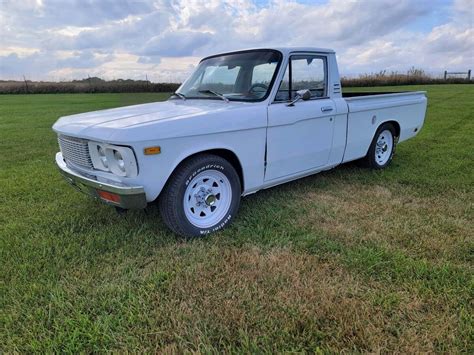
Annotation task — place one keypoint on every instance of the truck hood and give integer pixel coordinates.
(104, 123)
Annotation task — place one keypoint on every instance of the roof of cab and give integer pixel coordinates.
(283, 50)
(287, 50)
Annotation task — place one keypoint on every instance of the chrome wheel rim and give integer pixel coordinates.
(384, 146)
(207, 198)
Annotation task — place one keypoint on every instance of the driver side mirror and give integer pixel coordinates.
(304, 95)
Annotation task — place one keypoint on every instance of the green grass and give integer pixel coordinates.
(348, 260)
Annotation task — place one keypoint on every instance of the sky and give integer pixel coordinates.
(164, 40)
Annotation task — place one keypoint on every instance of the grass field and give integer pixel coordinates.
(348, 260)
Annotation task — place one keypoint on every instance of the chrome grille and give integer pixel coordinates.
(75, 150)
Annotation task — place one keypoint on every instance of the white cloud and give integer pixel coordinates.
(176, 43)
(128, 39)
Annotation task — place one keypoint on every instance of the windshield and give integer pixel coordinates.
(243, 76)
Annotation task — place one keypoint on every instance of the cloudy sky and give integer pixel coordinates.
(164, 39)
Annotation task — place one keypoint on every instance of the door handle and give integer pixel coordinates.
(326, 109)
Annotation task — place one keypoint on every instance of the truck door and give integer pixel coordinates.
(299, 137)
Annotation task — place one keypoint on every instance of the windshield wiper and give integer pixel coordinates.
(215, 94)
(181, 96)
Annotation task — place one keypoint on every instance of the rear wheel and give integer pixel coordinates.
(381, 150)
(202, 196)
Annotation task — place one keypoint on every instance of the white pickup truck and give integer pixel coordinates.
(242, 122)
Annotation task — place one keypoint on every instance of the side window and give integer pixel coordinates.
(307, 72)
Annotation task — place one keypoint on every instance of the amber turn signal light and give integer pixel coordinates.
(152, 150)
(108, 196)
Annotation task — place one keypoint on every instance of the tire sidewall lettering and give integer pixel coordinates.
(201, 169)
(221, 225)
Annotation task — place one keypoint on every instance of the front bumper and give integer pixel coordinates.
(129, 197)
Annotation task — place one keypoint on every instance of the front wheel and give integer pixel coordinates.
(202, 196)
(381, 150)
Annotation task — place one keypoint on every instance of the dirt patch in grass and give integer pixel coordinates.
(439, 228)
(281, 300)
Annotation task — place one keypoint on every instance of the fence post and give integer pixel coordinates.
(445, 74)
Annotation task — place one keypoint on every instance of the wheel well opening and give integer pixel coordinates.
(396, 125)
(230, 157)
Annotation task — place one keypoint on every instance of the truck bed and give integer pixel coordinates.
(360, 101)
(366, 110)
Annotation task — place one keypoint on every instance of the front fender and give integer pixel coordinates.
(247, 145)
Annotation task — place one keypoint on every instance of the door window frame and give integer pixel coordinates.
(288, 65)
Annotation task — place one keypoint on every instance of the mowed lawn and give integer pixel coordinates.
(348, 260)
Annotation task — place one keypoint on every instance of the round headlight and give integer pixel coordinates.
(120, 162)
(102, 156)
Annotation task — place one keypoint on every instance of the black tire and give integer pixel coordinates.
(370, 160)
(171, 200)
